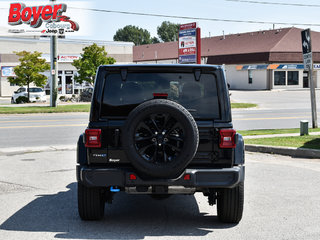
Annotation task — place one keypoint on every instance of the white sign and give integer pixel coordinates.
(307, 61)
(316, 66)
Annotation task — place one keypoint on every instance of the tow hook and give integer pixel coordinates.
(114, 189)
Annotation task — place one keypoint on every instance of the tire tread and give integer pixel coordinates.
(230, 204)
(90, 203)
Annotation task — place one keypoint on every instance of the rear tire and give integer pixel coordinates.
(90, 203)
(230, 204)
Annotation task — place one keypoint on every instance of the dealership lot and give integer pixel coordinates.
(38, 199)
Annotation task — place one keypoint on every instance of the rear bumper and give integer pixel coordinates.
(199, 178)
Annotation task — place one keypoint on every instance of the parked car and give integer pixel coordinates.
(37, 94)
(160, 130)
(86, 95)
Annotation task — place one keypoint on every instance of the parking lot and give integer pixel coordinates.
(38, 201)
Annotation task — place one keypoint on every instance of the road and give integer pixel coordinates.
(276, 109)
(27, 130)
(38, 201)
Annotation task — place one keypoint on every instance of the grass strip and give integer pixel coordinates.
(312, 142)
(40, 109)
(273, 131)
(243, 105)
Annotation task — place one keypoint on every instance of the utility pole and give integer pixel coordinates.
(54, 69)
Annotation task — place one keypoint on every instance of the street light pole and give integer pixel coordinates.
(54, 69)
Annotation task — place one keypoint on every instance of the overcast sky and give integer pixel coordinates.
(102, 26)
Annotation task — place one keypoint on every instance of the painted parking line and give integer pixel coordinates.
(46, 126)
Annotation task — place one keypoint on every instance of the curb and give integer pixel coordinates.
(24, 150)
(288, 151)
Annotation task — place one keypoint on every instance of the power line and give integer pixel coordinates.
(194, 18)
(276, 3)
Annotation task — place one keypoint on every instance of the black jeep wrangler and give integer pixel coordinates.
(160, 130)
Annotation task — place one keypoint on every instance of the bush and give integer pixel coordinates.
(62, 98)
(22, 99)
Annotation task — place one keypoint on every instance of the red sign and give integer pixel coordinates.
(188, 26)
(34, 16)
(187, 51)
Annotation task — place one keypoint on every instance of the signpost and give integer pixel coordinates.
(189, 43)
(54, 70)
(308, 66)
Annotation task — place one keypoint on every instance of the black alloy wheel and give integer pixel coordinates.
(159, 138)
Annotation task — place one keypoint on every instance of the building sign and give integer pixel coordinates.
(189, 43)
(306, 49)
(67, 58)
(7, 72)
(47, 19)
(274, 67)
(62, 58)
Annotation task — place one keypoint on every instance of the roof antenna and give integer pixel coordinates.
(224, 37)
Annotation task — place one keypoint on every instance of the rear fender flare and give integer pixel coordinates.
(81, 151)
(239, 156)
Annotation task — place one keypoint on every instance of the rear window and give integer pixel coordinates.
(199, 97)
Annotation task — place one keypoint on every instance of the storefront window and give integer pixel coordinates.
(293, 78)
(279, 78)
(69, 85)
(59, 85)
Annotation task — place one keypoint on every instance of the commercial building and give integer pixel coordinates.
(270, 59)
(68, 51)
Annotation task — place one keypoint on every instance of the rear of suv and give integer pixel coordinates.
(160, 130)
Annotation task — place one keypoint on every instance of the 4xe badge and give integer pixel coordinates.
(56, 22)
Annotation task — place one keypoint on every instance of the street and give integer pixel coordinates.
(276, 109)
(38, 201)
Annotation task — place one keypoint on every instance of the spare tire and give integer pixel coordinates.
(160, 138)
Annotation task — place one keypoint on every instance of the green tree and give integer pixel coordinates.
(168, 31)
(155, 40)
(92, 57)
(30, 69)
(133, 34)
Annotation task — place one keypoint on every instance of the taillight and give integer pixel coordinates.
(227, 138)
(93, 138)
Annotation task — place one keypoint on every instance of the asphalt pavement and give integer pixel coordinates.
(38, 201)
(28, 130)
